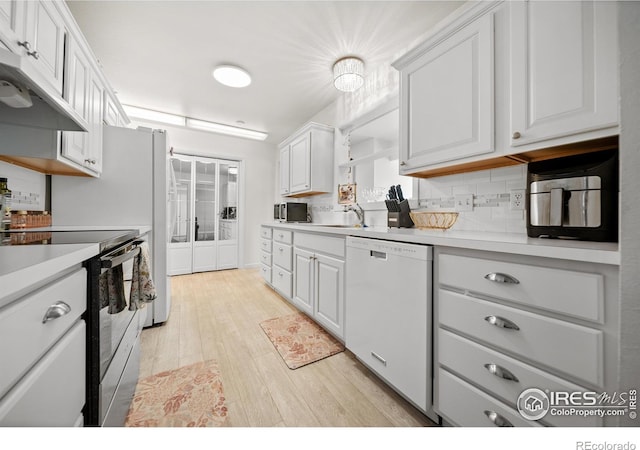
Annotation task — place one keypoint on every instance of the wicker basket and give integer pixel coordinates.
(428, 220)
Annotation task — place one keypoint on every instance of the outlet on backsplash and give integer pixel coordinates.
(516, 200)
(464, 202)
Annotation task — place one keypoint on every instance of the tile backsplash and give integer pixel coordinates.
(28, 188)
(491, 191)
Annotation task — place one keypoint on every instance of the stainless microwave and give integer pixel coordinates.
(290, 212)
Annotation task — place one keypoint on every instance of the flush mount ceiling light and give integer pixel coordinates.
(348, 74)
(189, 122)
(232, 76)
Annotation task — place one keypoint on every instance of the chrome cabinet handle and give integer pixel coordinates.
(379, 358)
(497, 419)
(58, 309)
(281, 249)
(501, 278)
(501, 322)
(25, 44)
(516, 135)
(403, 163)
(90, 161)
(500, 372)
(34, 54)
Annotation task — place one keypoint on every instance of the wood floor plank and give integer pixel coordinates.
(216, 315)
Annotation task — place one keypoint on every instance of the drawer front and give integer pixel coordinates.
(53, 392)
(282, 254)
(282, 281)
(329, 245)
(509, 377)
(537, 339)
(24, 338)
(467, 406)
(265, 258)
(576, 294)
(266, 273)
(265, 245)
(283, 236)
(265, 232)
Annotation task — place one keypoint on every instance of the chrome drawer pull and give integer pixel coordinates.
(58, 309)
(501, 278)
(497, 419)
(501, 322)
(379, 358)
(500, 372)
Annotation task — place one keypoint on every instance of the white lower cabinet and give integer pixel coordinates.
(318, 286)
(506, 323)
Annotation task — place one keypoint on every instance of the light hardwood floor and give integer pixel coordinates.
(216, 315)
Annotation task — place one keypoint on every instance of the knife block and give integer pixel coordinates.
(401, 218)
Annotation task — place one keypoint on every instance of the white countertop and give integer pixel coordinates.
(142, 229)
(23, 266)
(515, 243)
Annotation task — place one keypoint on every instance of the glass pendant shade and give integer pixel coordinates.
(348, 74)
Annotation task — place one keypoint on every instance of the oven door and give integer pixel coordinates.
(115, 279)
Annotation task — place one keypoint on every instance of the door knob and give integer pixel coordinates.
(516, 135)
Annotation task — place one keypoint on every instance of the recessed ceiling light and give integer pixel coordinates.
(232, 76)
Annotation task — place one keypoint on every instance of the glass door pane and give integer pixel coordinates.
(228, 229)
(180, 201)
(205, 201)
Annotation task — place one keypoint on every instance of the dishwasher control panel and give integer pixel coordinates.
(380, 247)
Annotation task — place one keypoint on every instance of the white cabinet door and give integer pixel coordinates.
(300, 170)
(45, 32)
(12, 16)
(75, 145)
(564, 69)
(447, 98)
(329, 293)
(111, 114)
(284, 170)
(96, 96)
(303, 276)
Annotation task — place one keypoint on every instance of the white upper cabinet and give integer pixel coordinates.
(284, 170)
(306, 161)
(447, 99)
(300, 170)
(44, 40)
(12, 16)
(35, 29)
(564, 64)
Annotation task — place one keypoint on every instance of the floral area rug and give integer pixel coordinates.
(190, 396)
(299, 340)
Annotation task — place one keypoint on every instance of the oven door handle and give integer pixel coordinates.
(109, 262)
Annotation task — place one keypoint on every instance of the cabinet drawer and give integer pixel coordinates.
(329, 245)
(24, 338)
(265, 258)
(568, 292)
(470, 359)
(281, 280)
(53, 392)
(283, 236)
(266, 273)
(467, 406)
(282, 256)
(265, 245)
(265, 232)
(537, 338)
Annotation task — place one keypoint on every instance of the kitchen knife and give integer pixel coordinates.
(392, 193)
(399, 192)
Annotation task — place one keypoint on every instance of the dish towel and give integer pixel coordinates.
(111, 294)
(142, 288)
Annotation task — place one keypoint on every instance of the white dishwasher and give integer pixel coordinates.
(388, 314)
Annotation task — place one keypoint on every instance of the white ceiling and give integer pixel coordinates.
(160, 54)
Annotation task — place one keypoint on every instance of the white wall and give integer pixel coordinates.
(259, 161)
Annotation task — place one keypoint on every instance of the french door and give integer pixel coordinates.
(204, 203)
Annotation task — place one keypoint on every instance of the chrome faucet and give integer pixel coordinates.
(358, 210)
